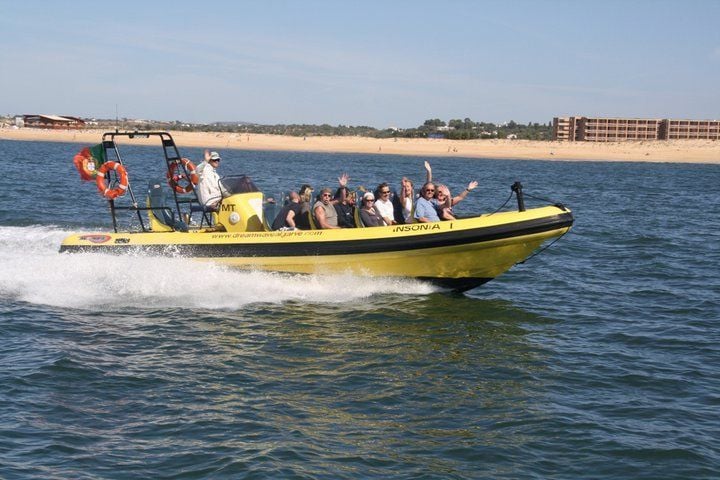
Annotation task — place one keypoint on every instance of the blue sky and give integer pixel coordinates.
(378, 63)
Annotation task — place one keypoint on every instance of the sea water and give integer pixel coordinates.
(597, 358)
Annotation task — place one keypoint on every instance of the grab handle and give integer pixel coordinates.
(517, 188)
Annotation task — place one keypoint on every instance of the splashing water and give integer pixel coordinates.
(35, 272)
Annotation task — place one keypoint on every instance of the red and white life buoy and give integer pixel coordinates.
(175, 177)
(118, 191)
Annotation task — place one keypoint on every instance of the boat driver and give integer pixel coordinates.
(209, 189)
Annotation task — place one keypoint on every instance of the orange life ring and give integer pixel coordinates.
(174, 178)
(118, 191)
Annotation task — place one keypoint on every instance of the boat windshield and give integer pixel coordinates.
(238, 184)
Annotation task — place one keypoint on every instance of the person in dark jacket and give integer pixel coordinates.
(345, 208)
(289, 215)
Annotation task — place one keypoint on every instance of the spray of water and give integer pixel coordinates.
(34, 272)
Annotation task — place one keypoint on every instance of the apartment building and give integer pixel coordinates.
(588, 129)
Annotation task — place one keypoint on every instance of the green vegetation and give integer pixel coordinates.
(455, 129)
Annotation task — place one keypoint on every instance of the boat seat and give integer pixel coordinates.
(162, 218)
(211, 219)
(358, 205)
(270, 211)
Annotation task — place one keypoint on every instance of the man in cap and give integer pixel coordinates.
(208, 188)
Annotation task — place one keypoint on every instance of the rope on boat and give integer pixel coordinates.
(557, 204)
(543, 249)
(547, 200)
(503, 205)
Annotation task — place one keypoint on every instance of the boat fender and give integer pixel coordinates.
(175, 177)
(111, 193)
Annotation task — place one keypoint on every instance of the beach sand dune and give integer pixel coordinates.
(679, 151)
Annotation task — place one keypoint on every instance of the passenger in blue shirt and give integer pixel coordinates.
(425, 207)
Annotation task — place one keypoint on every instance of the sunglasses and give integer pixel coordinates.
(325, 194)
(215, 160)
(386, 192)
(430, 190)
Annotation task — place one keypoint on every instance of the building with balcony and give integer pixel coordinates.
(52, 121)
(589, 129)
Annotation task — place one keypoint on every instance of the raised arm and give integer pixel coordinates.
(471, 186)
(404, 190)
(342, 180)
(428, 172)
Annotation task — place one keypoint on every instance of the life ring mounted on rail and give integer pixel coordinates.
(111, 193)
(175, 177)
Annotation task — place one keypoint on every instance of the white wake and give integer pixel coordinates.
(33, 271)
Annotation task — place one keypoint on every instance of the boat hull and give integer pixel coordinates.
(459, 255)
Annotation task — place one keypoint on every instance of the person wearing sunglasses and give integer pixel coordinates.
(209, 190)
(426, 205)
(445, 200)
(384, 204)
(324, 209)
(368, 214)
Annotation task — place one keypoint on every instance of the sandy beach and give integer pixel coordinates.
(679, 151)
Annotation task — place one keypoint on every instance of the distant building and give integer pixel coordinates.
(692, 129)
(587, 129)
(52, 121)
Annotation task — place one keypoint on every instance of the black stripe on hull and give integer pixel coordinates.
(344, 247)
(456, 284)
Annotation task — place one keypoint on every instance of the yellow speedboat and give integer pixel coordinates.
(459, 254)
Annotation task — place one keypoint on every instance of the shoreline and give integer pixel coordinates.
(658, 151)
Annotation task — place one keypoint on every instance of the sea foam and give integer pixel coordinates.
(33, 271)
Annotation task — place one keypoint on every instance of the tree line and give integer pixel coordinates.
(454, 129)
